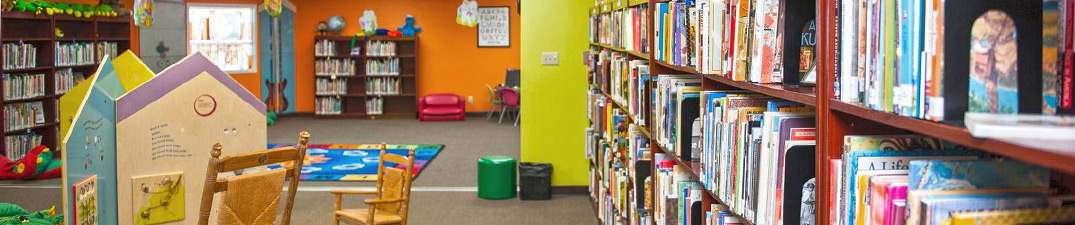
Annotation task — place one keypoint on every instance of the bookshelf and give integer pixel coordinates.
(379, 80)
(834, 118)
(95, 36)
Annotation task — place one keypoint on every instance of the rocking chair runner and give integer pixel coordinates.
(294, 155)
(391, 198)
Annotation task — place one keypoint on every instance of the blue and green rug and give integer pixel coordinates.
(357, 162)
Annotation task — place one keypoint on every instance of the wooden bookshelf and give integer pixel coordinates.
(40, 30)
(402, 105)
(835, 119)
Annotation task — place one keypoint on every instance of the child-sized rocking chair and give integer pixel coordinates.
(253, 199)
(391, 196)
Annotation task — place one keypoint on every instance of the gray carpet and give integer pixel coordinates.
(453, 170)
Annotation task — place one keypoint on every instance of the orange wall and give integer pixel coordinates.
(249, 80)
(449, 60)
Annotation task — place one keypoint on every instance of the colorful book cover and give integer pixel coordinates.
(939, 207)
(1049, 51)
(894, 142)
(976, 174)
(879, 192)
(1063, 215)
(993, 84)
(914, 198)
(861, 204)
(895, 204)
(890, 38)
(871, 160)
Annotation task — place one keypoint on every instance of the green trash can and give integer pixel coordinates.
(496, 177)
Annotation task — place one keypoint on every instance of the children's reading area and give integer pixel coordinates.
(611, 112)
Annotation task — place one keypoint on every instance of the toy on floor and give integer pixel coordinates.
(409, 29)
(11, 214)
(37, 164)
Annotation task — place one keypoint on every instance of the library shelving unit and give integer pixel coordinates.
(366, 83)
(108, 33)
(834, 118)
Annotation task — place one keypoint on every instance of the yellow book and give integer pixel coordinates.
(1015, 216)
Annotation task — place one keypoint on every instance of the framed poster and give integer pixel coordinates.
(494, 26)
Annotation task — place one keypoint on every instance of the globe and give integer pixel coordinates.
(335, 23)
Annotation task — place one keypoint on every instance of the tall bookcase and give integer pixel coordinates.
(834, 118)
(40, 31)
(378, 79)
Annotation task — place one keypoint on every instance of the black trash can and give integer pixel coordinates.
(535, 181)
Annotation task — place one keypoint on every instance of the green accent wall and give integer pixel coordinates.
(554, 97)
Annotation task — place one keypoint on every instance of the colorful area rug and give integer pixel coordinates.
(357, 162)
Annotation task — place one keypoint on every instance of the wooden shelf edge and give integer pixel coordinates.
(681, 69)
(961, 136)
(17, 131)
(805, 95)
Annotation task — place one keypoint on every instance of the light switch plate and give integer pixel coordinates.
(550, 58)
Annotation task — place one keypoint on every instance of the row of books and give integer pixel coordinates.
(107, 49)
(677, 198)
(383, 86)
(375, 106)
(66, 79)
(17, 146)
(625, 28)
(327, 86)
(763, 41)
(756, 153)
(912, 179)
(23, 86)
(618, 152)
(328, 106)
(75, 53)
(625, 81)
(23, 115)
(325, 48)
(902, 57)
(335, 67)
(19, 56)
(381, 48)
(382, 66)
(675, 103)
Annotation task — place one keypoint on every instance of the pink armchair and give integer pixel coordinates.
(441, 107)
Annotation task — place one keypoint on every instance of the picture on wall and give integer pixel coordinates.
(494, 26)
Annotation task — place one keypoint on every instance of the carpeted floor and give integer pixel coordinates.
(444, 195)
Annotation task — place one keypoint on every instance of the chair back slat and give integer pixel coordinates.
(292, 155)
(258, 158)
(393, 158)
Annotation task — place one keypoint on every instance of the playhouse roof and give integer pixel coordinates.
(175, 76)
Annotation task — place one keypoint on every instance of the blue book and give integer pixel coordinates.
(776, 105)
(938, 208)
(975, 174)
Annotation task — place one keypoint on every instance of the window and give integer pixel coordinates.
(224, 33)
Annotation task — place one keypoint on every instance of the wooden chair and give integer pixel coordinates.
(391, 197)
(294, 155)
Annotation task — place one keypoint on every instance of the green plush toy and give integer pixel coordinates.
(40, 6)
(44, 159)
(11, 214)
(23, 6)
(106, 10)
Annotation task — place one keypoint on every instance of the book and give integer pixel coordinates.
(976, 174)
(938, 208)
(1016, 216)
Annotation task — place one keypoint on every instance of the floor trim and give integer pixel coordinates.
(571, 190)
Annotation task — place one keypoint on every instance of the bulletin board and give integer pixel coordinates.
(494, 26)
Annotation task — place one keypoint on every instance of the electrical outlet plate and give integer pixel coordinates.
(550, 58)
